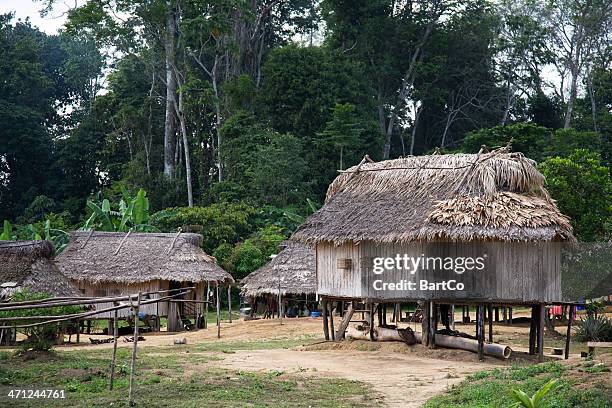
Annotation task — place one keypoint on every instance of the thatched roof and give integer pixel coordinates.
(294, 265)
(495, 195)
(98, 257)
(29, 265)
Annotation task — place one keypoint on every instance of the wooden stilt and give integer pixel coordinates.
(425, 325)
(207, 299)
(480, 331)
(379, 312)
(533, 330)
(346, 319)
(114, 358)
(371, 317)
(325, 324)
(433, 324)
(505, 314)
(541, 311)
(496, 314)
(490, 310)
(572, 313)
(331, 320)
(136, 310)
(510, 315)
(452, 317)
(218, 301)
(229, 301)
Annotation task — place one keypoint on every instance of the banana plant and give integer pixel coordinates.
(535, 401)
(133, 214)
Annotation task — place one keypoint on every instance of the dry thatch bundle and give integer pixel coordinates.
(294, 266)
(496, 195)
(98, 257)
(29, 265)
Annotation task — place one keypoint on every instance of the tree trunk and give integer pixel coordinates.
(181, 116)
(575, 72)
(170, 122)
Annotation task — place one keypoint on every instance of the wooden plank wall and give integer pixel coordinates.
(514, 272)
(334, 281)
(117, 289)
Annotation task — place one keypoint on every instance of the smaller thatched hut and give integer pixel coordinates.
(29, 265)
(113, 264)
(291, 272)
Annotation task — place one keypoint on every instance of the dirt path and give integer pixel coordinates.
(405, 380)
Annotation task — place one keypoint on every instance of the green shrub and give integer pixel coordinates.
(594, 328)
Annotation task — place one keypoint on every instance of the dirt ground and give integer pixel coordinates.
(426, 372)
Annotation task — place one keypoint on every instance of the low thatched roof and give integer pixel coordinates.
(29, 265)
(98, 257)
(495, 195)
(294, 265)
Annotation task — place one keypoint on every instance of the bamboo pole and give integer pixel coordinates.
(218, 312)
(115, 337)
(57, 319)
(134, 350)
(47, 303)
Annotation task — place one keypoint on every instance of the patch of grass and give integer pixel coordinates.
(169, 377)
(492, 389)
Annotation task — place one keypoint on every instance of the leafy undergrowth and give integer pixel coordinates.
(492, 389)
(168, 377)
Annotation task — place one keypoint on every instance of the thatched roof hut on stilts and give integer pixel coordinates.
(115, 263)
(490, 205)
(288, 277)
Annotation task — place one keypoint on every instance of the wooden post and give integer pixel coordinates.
(229, 301)
(452, 317)
(133, 365)
(533, 330)
(490, 309)
(541, 311)
(480, 331)
(207, 298)
(78, 333)
(325, 324)
(115, 337)
(379, 313)
(371, 317)
(346, 319)
(331, 320)
(496, 314)
(425, 325)
(572, 313)
(433, 325)
(510, 315)
(218, 311)
(505, 313)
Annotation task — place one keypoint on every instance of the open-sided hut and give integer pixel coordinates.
(491, 204)
(112, 264)
(291, 272)
(29, 265)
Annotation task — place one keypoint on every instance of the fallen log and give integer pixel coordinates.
(361, 332)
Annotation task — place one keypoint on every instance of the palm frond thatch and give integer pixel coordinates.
(294, 267)
(29, 265)
(98, 257)
(496, 195)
